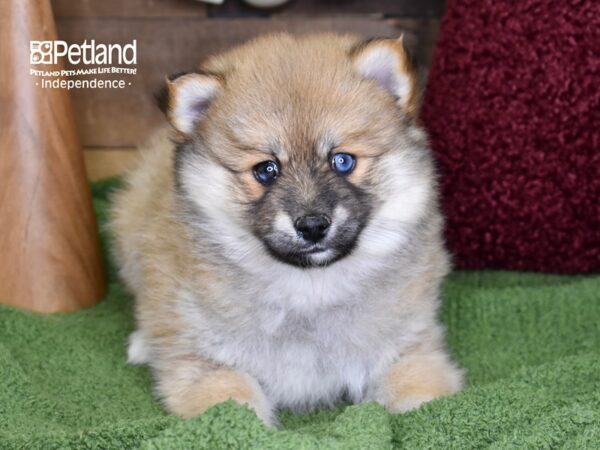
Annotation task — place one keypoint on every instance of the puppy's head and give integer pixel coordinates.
(301, 148)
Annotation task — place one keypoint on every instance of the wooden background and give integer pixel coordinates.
(175, 35)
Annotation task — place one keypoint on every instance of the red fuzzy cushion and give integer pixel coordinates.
(513, 110)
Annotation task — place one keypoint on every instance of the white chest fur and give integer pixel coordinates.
(310, 339)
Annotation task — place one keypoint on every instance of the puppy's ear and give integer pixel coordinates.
(387, 62)
(186, 98)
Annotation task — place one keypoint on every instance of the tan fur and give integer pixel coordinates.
(215, 387)
(190, 385)
(190, 396)
(419, 378)
(321, 82)
(250, 189)
(171, 273)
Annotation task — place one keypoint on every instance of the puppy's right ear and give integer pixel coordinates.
(187, 97)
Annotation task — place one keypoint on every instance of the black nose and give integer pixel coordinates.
(313, 227)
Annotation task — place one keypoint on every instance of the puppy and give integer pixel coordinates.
(283, 237)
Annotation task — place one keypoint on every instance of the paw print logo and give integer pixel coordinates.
(40, 52)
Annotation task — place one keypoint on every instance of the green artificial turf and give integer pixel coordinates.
(530, 343)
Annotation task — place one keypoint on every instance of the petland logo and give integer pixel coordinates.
(49, 52)
(91, 65)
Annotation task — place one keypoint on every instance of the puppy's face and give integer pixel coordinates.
(301, 145)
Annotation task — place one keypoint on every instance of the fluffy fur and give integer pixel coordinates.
(221, 310)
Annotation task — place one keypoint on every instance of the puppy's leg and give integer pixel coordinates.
(418, 378)
(189, 387)
(138, 350)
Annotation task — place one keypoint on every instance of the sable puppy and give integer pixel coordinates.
(283, 239)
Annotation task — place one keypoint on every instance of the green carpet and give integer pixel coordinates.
(530, 343)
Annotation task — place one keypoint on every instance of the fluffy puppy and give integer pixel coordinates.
(283, 238)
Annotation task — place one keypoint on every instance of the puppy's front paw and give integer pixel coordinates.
(415, 380)
(188, 398)
(138, 350)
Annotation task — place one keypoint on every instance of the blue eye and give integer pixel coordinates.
(266, 172)
(343, 163)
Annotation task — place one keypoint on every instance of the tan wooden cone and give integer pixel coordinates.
(49, 246)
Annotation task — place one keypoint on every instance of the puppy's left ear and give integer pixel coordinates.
(387, 62)
(188, 97)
